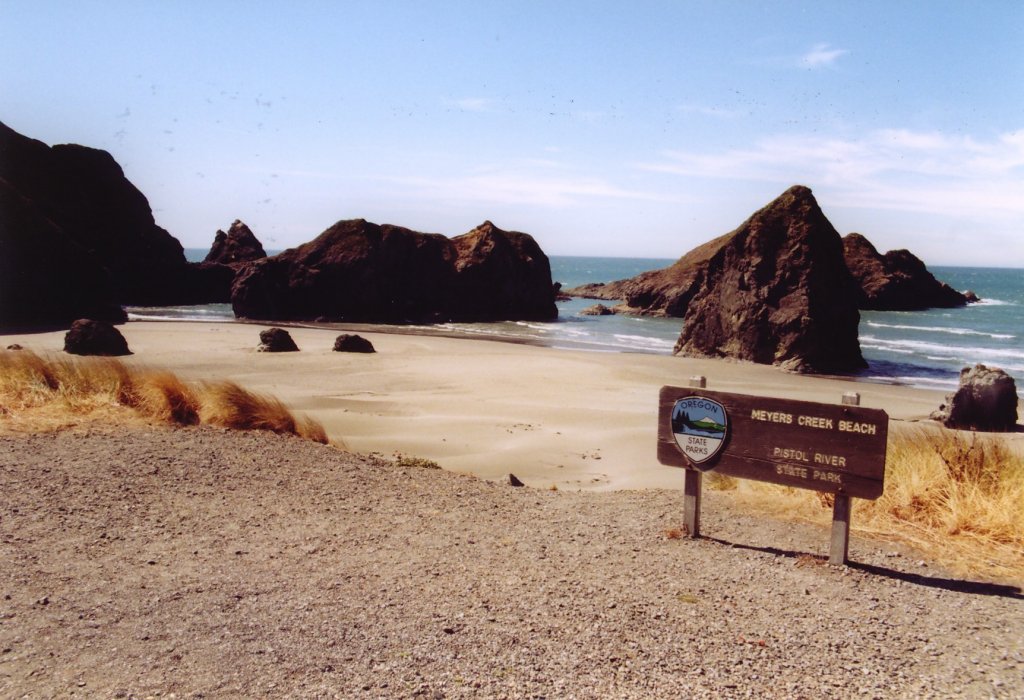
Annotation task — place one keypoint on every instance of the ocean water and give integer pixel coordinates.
(918, 348)
(928, 348)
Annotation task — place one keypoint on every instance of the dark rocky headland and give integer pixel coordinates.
(360, 271)
(78, 240)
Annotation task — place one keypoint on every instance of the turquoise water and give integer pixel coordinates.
(921, 348)
(928, 348)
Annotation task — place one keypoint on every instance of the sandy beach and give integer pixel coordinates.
(553, 417)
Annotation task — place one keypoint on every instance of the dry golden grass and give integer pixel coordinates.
(229, 405)
(40, 394)
(957, 496)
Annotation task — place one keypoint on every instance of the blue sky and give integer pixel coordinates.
(623, 129)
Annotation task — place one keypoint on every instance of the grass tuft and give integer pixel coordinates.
(402, 460)
(39, 393)
(163, 397)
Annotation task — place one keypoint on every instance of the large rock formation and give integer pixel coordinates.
(501, 275)
(210, 281)
(84, 194)
(46, 279)
(360, 271)
(774, 291)
(896, 281)
(239, 245)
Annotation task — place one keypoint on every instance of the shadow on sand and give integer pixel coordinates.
(947, 584)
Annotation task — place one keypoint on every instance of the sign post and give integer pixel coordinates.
(833, 448)
(692, 479)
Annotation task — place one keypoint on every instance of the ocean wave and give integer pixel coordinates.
(924, 347)
(132, 316)
(205, 312)
(539, 327)
(927, 382)
(993, 302)
(885, 348)
(940, 329)
(644, 341)
(917, 381)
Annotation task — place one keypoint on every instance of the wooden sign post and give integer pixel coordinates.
(833, 448)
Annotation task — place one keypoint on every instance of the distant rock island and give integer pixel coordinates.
(361, 271)
(239, 245)
(896, 281)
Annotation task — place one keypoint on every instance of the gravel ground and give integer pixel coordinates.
(197, 563)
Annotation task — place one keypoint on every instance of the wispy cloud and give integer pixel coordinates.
(472, 104)
(897, 169)
(821, 56)
(520, 187)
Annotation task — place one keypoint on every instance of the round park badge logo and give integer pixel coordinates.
(700, 426)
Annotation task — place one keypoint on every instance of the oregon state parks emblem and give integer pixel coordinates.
(700, 426)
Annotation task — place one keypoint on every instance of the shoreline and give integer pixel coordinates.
(441, 332)
(568, 419)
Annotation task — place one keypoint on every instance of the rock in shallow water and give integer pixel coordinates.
(597, 310)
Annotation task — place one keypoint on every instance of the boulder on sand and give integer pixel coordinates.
(986, 400)
(348, 342)
(91, 337)
(276, 340)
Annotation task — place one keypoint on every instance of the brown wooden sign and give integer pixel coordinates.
(825, 447)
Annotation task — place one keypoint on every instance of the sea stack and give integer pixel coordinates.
(239, 245)
(774, 291)
(896, 281)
